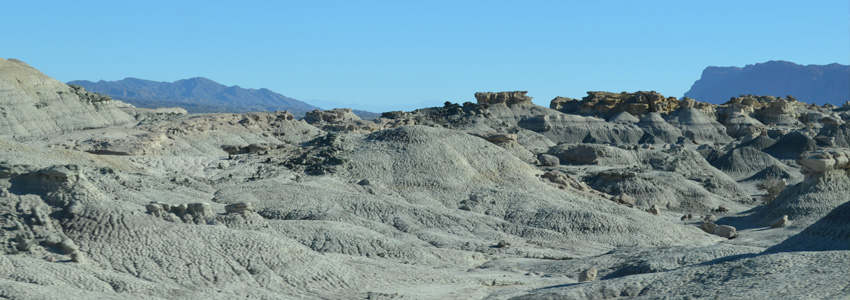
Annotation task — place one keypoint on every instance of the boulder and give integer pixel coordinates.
(548, 160)
(52, 240)
(820, 161)
(180, 209)
(624, 199)
(233, 149)
(68, 246)
(725, 231)
(581, 154)
(779, 222)
(259, 147)
(654, 209)
(79, 257)
(587, 275)
(23, 242)
(241, 207)
(40, 217)
(708, 226)
(564, 181)
(202, 210)
(154, 208)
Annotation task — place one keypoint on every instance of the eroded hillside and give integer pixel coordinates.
(614, 195)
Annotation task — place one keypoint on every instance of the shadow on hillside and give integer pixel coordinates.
(832, 232)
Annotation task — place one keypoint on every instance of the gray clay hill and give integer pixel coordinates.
(613, 196)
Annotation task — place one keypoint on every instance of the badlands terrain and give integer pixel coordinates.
(616, 195)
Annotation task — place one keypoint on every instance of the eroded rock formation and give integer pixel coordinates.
(503, 98)
(466, 197)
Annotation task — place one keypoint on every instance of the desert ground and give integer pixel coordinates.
(616, 195)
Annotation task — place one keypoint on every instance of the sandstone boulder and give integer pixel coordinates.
(820, 161)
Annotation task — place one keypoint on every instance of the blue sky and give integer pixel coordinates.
(389, 55)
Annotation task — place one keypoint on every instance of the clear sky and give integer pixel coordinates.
(389, 55)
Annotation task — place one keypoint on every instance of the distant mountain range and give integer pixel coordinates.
(196, 95)
(812, 83)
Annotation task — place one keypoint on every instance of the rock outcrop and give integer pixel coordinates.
(503, 98)
(548, 160)
(193, 213)
(824, 160)
(606, 105)
(344, 120)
